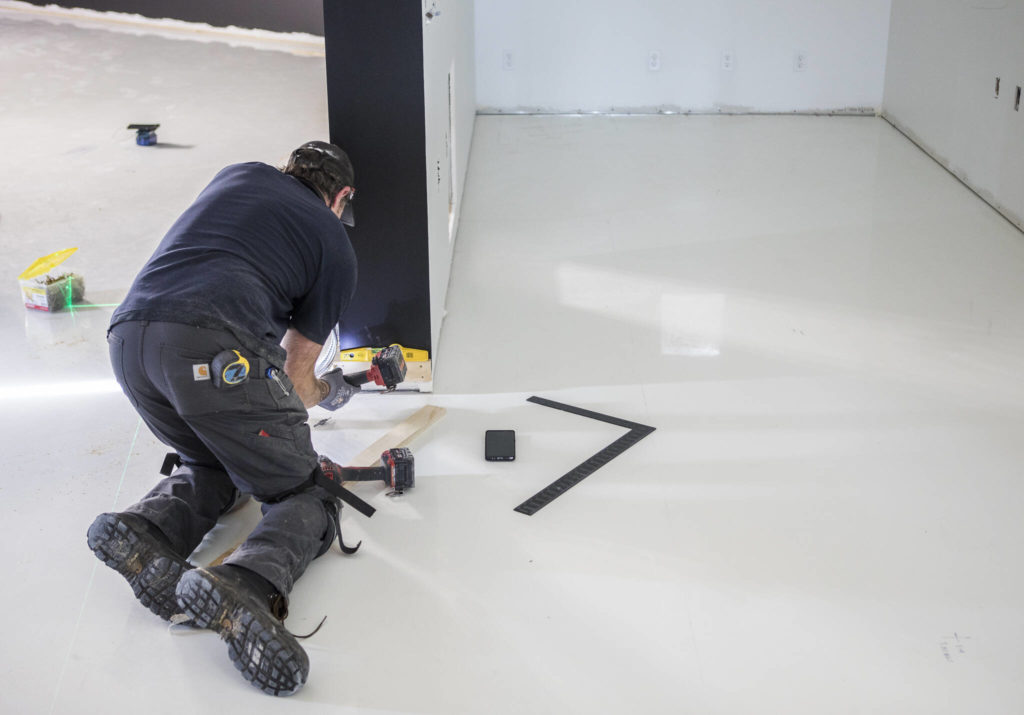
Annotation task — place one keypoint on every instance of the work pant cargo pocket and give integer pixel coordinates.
(190, 389)
(278, 391)
(282, 458)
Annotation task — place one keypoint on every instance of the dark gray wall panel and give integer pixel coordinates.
(375, 97)
(276, 15)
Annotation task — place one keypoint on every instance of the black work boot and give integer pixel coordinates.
(248, 613)
(140, 552)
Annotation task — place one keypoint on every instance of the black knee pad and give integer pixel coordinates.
(237, 500)
(333, 508)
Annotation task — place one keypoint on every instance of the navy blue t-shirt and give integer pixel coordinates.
(256, 253)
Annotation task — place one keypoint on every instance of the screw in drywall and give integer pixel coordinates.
(728, 60)
(799, 61)
(506, 60)
(654, 61)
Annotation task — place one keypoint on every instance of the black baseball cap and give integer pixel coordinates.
(333, 161)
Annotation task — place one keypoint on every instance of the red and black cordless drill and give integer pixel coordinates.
(387, 369)
(396, 470)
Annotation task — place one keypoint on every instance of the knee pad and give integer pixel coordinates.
(238, 501)
(333, 529)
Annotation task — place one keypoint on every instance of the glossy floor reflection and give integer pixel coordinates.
(823, 325)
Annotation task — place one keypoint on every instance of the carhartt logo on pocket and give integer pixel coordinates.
(201, 372)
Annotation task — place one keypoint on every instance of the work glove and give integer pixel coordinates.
(341, 392)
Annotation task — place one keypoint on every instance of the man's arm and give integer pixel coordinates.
(299, 367)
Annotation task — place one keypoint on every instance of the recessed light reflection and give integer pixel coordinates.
(692, 324)
(689, 322)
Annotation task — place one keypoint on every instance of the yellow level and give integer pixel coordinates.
(366, 354)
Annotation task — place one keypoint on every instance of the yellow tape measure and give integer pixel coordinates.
(229, 368)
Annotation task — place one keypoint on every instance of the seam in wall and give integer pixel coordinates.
(1013, 221)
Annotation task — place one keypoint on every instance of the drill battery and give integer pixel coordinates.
(388, 368)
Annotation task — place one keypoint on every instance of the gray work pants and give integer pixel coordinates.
(252, 437)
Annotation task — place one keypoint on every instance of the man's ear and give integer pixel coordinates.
(340, 198)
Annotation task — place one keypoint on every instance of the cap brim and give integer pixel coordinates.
(348, 216)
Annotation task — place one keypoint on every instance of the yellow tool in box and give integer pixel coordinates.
(366, 354)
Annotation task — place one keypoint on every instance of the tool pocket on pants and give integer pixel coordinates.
(191, 391)
(282, 458)
(279, 393)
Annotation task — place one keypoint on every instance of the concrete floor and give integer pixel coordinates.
(826, 329)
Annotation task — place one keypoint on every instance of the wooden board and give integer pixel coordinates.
(401, 435)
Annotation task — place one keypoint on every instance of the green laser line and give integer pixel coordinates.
(68, 305)
(131, 449)
(88, 587)
(93, 305)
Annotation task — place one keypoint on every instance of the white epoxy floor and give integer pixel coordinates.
(826, 329)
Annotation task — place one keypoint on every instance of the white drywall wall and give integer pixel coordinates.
(944, 57)
(593, 55)
(447, 50)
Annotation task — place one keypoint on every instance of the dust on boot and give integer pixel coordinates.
(248, 613)
(140, 552)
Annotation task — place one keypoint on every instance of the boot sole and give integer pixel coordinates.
(151, 569)
(260, 647)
